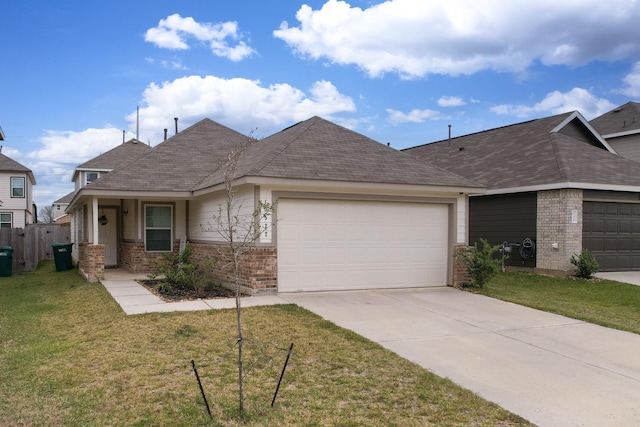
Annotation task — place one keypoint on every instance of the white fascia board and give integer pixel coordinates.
(576, 114)
(563, 185)
(619, 134)
(344, 185)
(111, 194)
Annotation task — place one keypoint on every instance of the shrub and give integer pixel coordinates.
(585, 263)
(176, 270)
(482, 263)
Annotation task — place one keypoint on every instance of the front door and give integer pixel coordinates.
(108, 235)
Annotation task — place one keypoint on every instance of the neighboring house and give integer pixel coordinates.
(554, 181)
(351, 213)
(621, 128)
(59, 208)
(16, 194)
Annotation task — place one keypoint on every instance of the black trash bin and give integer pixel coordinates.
(62, 256)
(6, 261)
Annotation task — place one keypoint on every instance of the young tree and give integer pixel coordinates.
(240, 233)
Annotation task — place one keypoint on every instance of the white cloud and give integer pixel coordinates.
(632, 83)
(238, 103)
(451, 101)
(416, 38)
(557, 103)
(175, 32)
(414, 116)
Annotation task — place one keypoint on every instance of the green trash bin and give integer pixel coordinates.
(62, 256)
(6, 261)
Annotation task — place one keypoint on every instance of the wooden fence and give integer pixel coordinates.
(33, 243)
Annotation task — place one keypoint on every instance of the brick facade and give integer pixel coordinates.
(460, 274)
(91, 261)
(134, 259)
(558, 236)
(258, 269)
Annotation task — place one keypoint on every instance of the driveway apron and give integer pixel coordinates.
(549, 369)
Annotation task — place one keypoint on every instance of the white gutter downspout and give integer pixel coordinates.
(94, 216)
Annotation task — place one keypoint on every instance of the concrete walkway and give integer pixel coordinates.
(134, 298)
(549, 369)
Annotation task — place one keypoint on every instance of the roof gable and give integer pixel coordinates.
(552, 150)
(9, 165)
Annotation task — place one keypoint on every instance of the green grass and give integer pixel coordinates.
(603, 302)
(70, 357)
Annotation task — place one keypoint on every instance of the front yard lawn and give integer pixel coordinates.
(603, 302)
(69, 356)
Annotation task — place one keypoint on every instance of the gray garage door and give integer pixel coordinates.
(611, 231)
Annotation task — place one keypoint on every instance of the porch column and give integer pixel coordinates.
(94, 216)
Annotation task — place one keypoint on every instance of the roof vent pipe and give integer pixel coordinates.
(449, 131)
(176, 120)
(123, 136)
(165, 134)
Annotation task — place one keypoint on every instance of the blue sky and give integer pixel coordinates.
(400, 71)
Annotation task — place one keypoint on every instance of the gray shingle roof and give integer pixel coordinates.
(176, 164)
(621, 119)
(315, 149)
(66, 199)
(531, 153)
(117, 156)
(9, 165)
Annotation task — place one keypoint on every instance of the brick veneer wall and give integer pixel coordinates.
(460, 274)
(134, 259)
(554, 226)
(91, 261)
(258, 269)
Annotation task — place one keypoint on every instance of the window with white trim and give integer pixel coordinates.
(17, 186)
(92, 176)
(158, 229)
(6, 220)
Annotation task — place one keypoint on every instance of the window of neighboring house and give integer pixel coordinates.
(92, 176)
(6, 220)
(57, 207)
(158, 228)
(17, 187)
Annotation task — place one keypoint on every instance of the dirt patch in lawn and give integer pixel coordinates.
(176, 293)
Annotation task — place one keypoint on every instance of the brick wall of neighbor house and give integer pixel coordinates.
(91, 261)
(258, 270)
(460, 274)
(554, 226)
(134, 259)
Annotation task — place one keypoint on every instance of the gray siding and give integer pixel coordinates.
(500, 218)
(627, 146)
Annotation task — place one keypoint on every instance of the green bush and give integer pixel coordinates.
(585, 264)
(482, 263)
(176, 270)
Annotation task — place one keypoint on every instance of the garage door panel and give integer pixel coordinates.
(363, 245)
(612, 233)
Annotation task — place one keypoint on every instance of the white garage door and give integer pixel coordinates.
(341, 245)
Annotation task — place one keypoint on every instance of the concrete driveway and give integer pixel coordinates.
(549, 369)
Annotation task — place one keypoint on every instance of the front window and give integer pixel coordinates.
(6, 220)
(158, 228)
(17, 187)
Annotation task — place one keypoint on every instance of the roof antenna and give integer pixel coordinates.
(176, 120)
(137, 122)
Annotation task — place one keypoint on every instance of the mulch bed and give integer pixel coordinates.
(176, 294)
